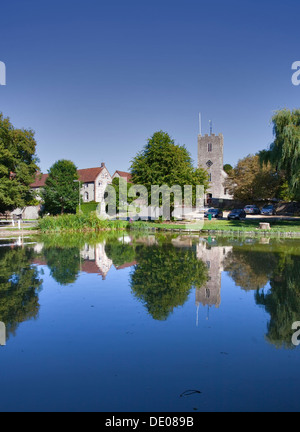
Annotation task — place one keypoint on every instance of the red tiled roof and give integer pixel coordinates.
(88, 175)
(40, 180)
(124, 175)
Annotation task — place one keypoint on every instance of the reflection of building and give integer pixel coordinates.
(183, 242)
(38, 248)
(213, 256)
(95, 260)
(149, 240)
(126, 265)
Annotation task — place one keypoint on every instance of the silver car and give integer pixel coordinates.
(268, 210)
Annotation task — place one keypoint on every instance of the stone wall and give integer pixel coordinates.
(88, 188)
(30, 212)
(101, 183)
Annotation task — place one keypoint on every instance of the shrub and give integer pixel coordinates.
(87, 208)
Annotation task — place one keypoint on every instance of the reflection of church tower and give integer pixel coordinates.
(210, 294)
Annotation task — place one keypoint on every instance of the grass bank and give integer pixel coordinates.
(246, 226)
(277, 225)
(91, 223)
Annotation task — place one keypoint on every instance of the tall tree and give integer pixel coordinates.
(162, 162)
(115, 200)
(61, 191)
(250, 181)
(18, 165)
(284, 152)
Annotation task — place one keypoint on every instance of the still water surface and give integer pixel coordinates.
(154, 323)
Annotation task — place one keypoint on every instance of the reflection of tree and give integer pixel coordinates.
(282, 302)
(64, 263)
(164, 276)
(250, 270)
(252, 267)
(120, 253)
(19, 282)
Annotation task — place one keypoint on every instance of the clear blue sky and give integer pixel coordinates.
(96, 78)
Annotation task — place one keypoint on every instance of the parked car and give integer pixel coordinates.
(252, 209)
(237, 214)
(214, 213)
(268, 210)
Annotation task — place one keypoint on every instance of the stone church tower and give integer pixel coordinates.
(210, 157)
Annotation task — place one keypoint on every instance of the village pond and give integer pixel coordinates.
(153, 323)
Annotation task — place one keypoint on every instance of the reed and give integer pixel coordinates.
(78, 223)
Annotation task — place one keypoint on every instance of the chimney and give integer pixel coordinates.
(102, 165)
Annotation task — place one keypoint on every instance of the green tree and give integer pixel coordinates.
(18, 165)
(61, 191)
(250, 181)
(111, 200)
(228, 169)
(284, 152)
(162, 162)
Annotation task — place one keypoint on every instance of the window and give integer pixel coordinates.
(225, 191)
(86, 196)
(209, 147)
(210, 178)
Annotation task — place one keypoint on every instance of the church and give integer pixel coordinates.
(211, 158)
